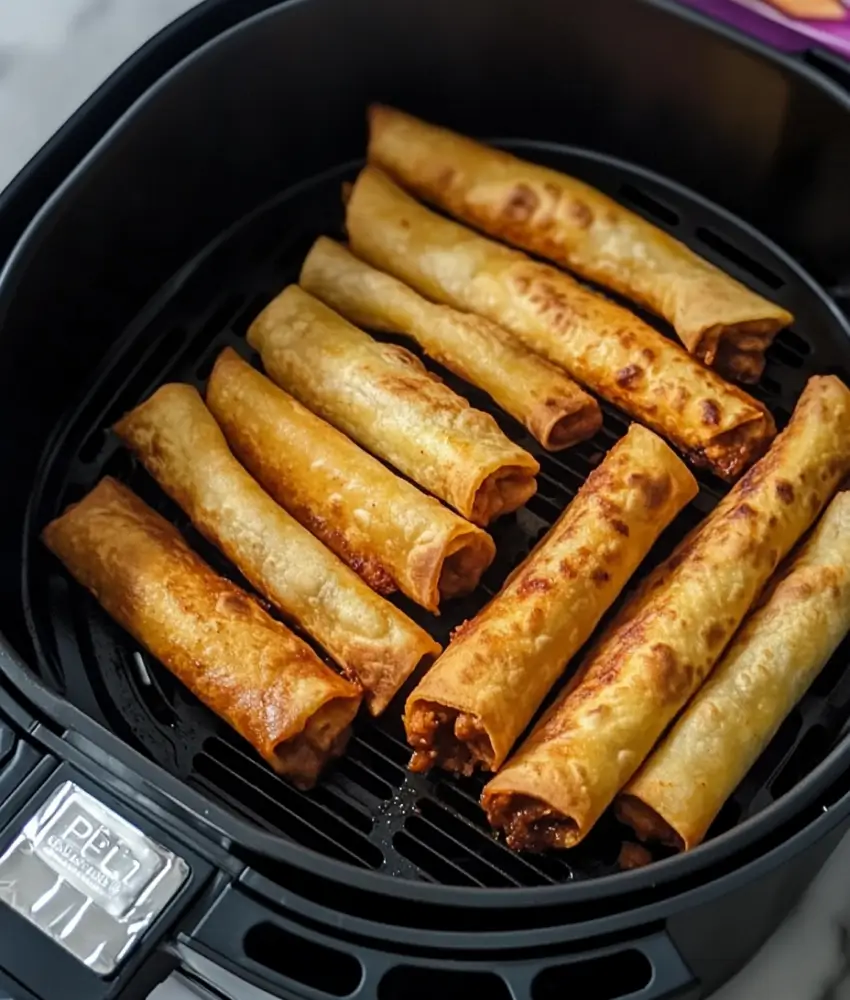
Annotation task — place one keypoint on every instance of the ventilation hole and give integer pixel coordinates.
(739, 258)
(780, 415)
(560, 488)
(430, 862)
(605, 978)
(728, 817)
(814, 746)
(793, 341)
(781, 355)
(220, 319)
(466, 805)
(73, 493)
(546, 867)
(121, 464)
(446, 843)
(614, 424)
(778, 748)
(204, 369)
(390, 745)
(609, 436)
(246, 317)
(538, 869)
(579, 461)
(332, 800)
(833, 673)
(149, 673)
(649, 205)
(415, 982)
(323, 794)
(768, 385)
(482, 843)
(315, 822)
(363, 777)
(92, 445)
(151, 372)
(392, 771)
(336, 973)
(543, 508)
(784, 356)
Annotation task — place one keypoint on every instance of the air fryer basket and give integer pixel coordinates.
(370, 811)
(154, 255)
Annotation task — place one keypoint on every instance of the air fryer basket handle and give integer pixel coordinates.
(23, 768)
(29, 970)
(246, 938)
(82, 864)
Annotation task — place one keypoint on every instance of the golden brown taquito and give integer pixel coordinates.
(390, 533)
(247, 667)
(607, 348)
(669, 636)
(179, 442)
(381, 396)
(537, 393)
(556, 216)
(479, 696)
(778, 652)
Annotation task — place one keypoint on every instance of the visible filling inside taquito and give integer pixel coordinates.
(530, 824)
(456, 740)
(466, 557)
(568, 428)
(737, 349)
(502, 491)
(324, 738)
(646, 822)
(734, 449)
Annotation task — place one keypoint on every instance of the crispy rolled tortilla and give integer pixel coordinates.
(537, 393)
(476, 700)
(776, 655)
(556, 216)
(599, 343)
(247, 667)
(381, 396)
(669, 636)
(180, 444)
(389, 532)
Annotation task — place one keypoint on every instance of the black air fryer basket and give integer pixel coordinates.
(143, 239)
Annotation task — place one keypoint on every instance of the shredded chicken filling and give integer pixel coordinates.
(446, 737)
(502, 492)
(324, 738)
(530, 824)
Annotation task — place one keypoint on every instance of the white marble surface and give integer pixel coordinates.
(53, 53)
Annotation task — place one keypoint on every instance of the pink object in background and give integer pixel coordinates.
(758, 18)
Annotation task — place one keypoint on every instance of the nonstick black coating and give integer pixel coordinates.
(369, 811)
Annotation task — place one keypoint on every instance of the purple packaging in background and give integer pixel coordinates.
(774, 28)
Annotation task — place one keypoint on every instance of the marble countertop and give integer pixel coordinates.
(53, 54)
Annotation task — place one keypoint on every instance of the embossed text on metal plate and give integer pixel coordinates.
(88, 878)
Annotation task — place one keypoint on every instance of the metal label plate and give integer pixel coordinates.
(89, 879)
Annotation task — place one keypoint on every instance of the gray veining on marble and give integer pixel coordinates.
(53, 54)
